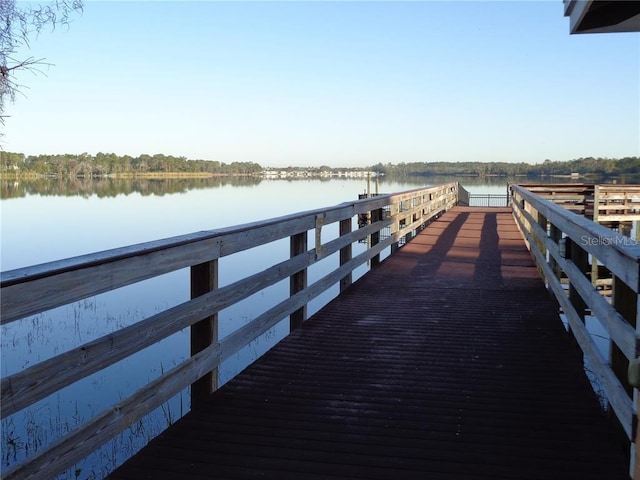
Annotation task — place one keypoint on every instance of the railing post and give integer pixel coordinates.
(298, 281)
(424, 211)
(580, 259)
(526, 208)
(407, 221)
(555, 234)
(624, 300)
(395, 209)
(594, 261)
(204, 279)
(345, 254)
(596, 203)
(376, 216)
(542, 222)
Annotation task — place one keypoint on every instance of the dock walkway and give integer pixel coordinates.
(447, 361)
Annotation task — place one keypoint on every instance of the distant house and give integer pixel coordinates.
(591, 16)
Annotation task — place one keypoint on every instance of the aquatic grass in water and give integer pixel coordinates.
(31, 340)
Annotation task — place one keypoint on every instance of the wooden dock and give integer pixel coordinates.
(446, 361)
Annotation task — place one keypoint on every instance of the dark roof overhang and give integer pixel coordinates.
(591, 16)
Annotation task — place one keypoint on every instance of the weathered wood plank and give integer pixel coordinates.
(619, 206)
(39, 292)
(627, 217)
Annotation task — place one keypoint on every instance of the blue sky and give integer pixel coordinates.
(335, 83)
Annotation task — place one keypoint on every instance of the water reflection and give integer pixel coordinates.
(110, 187)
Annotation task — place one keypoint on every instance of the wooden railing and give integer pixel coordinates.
(615, 203)
(28, 291)
(563, 244)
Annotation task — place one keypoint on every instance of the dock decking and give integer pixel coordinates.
(447, 361)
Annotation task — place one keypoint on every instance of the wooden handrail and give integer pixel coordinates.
(561, 242)
(31, 290)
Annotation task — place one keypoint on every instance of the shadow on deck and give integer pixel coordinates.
(448, 361)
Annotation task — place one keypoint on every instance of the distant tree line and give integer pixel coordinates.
(583, 166)
(103, 164)
(85, 165)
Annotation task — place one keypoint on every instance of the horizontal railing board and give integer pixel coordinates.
(619, 197)
(46, 292)
(554, 197)
(619, 218)
(618, 206)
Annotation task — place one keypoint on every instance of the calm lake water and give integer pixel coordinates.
(48, 220)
